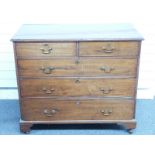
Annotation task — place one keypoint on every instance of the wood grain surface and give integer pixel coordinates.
(77, 87)
(84, 67)
(29, 50)
(47, 109)
(109, 48)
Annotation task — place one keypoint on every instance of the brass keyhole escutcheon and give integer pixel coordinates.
(77, 81)
(77, 102)
(77, 62)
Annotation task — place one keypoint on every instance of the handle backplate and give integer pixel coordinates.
(106, 90)
(47, 70)
(48, 91)
(107, 49)
(106, 112)
(50, 112)
(106, 69)
(46, 49)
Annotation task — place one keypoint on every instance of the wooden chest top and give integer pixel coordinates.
(93, 32)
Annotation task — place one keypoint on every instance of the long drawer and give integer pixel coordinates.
(48, 110)
(84, 67)
(29, 50)
(77, 87)
(128, 48)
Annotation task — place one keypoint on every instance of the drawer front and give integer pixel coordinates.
(48, 110)
(85, 67)
(77, 87)
(29, 50)
(109, 48)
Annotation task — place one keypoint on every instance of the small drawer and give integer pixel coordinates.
(50, 110)
(30, 50)
(109, 49)
(84, 67)
(77, 87)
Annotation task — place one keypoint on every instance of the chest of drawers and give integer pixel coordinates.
(77, 74)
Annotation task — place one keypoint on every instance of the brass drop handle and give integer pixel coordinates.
(106, 69)
(106, 90)
(107, 49)
(48, 91)
(50, 112)
(47, 70)
(106, 112)
(46, 49)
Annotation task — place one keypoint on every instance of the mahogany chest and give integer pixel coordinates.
(77, 74)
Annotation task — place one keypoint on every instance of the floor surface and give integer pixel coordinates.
(9, 122)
